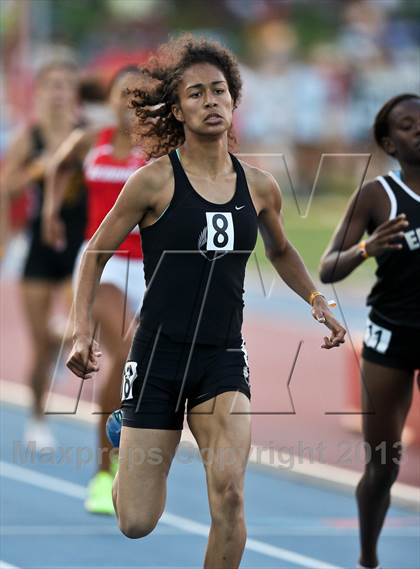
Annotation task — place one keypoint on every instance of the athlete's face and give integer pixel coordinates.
(403, 141)
(57, 89)
(205, 104)
(119, 100)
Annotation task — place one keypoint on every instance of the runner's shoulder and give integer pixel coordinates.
(264, 188)
(372, 187)
(262, 182)
(152, 179)
(370, 193)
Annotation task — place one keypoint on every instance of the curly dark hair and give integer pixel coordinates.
(157, 130)
(381, 124)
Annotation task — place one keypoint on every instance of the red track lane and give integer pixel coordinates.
(304, 426)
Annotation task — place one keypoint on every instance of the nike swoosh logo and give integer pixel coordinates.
(239, 207)
(201, 396)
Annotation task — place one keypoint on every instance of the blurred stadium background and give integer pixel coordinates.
(314, 76)
(314, 73)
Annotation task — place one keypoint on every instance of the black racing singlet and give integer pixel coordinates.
(195, 256)
(396, 293)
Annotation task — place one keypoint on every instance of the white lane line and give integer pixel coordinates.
(8, 470)
(26, 476)
(82, 530)
(4, 565)
(105, 529)
(404, 495)
(251, 544)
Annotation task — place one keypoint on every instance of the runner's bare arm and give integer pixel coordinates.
(70, 153)
(136, 199)
(281, 253)
(343, 254)
(284, 257)
(65, 160)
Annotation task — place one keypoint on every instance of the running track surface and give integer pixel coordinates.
(297, 405)
(290, 524)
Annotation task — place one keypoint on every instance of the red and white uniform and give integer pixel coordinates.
(105, 177)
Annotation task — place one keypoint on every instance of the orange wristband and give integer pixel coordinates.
(313, 296)
(362, 249)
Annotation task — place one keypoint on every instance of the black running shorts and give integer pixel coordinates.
(161, 376)
(47, 264)
(391, 346)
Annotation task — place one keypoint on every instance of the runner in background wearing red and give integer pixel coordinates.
(109, 158)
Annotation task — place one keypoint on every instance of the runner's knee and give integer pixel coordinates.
(380, 477)
(227, 500)
(136, 525)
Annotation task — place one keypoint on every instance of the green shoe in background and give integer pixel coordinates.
(99, 498)
(113, 469)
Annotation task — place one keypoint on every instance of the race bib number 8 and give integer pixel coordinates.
(129, 375)
(376, 337)
(220, 234)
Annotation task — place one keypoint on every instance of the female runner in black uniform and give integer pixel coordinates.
(109, 158)
(199, 209)
(46, 270)
(388, 209)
